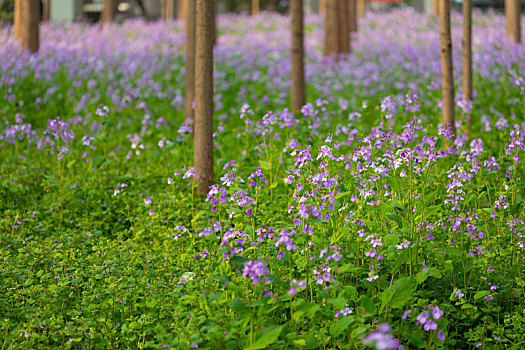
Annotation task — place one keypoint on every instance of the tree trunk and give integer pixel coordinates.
(447, 74)
(331, 29)
(352, 16)
(467, 52)
(255, 7)
(190, 62)
(203, 146)
(360, 8)
(167, 9)
(45, 10)
(343, 35)
(26, 18)
(435, 7)
(512, 11)
(109, 12)
(214, 22)
(182, 8)
(322, 6)
(298, 88)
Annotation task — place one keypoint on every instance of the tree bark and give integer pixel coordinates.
(182, 8)
(255, 7)
(190, 62)
(45, 10)
(331, 28)
(435, 7)
(343, 31)
(203, 142)
(467, 51)
(512, 11)
(322, 6)
(26, 19)
(167, 9)
(214, 22)
(352, 16)
(298, 87)
(360, 8)
(447, 74)
(109, 12)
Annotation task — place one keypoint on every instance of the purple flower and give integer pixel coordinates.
(489, 297)
(382, 339)
(441, 335)
(422, 318)
(437, 313)
(254, 269)
(430, 325)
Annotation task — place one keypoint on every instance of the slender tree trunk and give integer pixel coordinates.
(167, 8)
(447, 74)
(467, 53)
(109, 12)
(203, 146)
(298, 88)
(331, 29)
(343, 35)
(512, 11)
(26, 18)
(214, 22)
(322, 6)
(45, 10)
(255, 7)
(435, 7)
(190, 62)
(360, 8)
(182, 8)
(352, 16)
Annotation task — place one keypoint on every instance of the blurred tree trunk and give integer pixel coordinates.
(255, 7)
(512, 11)
(447, 74)
(435, 7)
(298, 88)
(26, 19)
(322, 6)
(190, 62)
(467, 53)
(360, 8)
(343, 29)
(331, 28)
(203, 141)
(167, 8)
(337, 38)
(109, 12)
(214, 21)
(352, 16)
(45, 10)
(182, 8)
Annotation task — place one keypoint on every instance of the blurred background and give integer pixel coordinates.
(89, 10)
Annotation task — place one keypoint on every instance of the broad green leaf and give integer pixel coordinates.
(341, 325)
(396, 218)
(266, 337)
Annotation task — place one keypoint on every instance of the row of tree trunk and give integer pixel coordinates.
(340, 21)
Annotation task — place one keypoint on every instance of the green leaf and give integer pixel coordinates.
(400, 293)
(309, 309)
(266, 337)
(520, 282)
(481, 294)
(98, 161)
(341, 325)
(395, 217)
(339, 303)
(368, 304)
(239, 306)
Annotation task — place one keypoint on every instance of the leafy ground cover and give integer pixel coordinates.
(346, 225)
